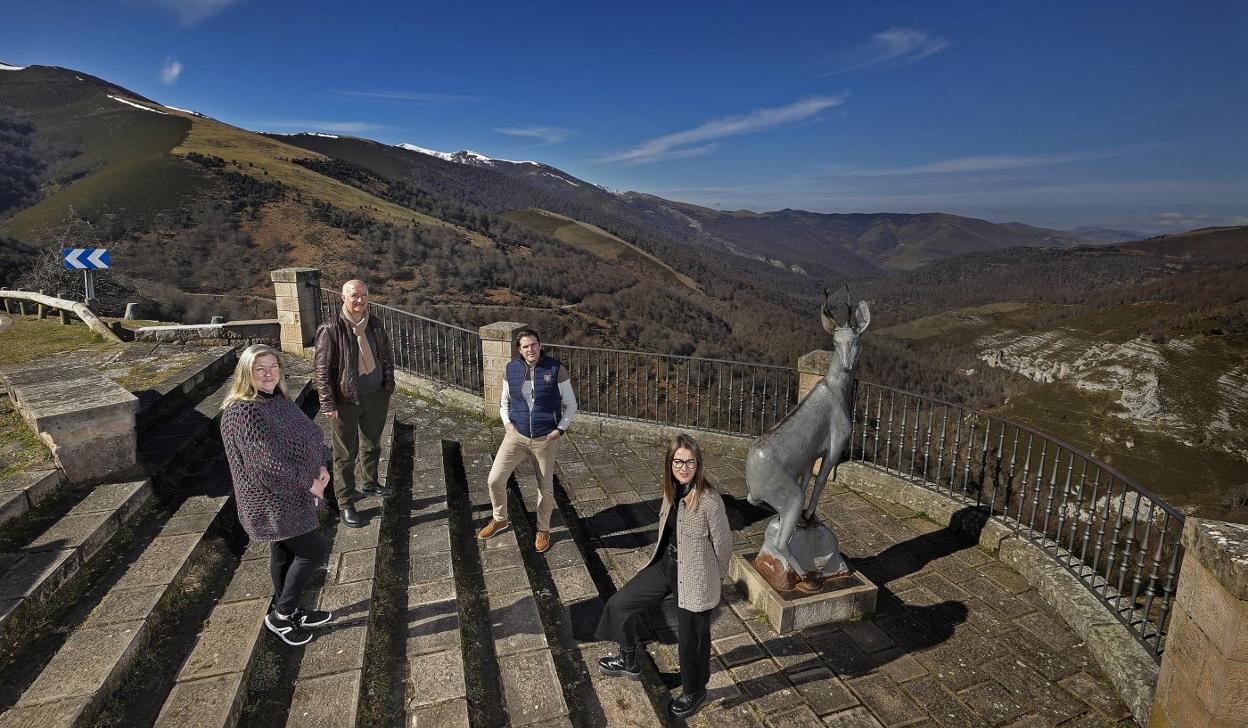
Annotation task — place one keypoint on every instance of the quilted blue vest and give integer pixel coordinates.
(547, 404)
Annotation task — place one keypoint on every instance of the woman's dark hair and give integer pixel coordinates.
(699, 481)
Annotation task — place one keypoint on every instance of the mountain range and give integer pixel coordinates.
(196, 212)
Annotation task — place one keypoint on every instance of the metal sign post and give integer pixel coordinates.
(88, 260)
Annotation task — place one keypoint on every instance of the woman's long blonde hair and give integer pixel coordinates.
(244, 385)
(699, 482)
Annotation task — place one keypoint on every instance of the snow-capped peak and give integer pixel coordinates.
(466, 156)
(10, 67)
(137, 106)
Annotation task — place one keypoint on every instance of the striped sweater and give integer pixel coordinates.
(275, 452)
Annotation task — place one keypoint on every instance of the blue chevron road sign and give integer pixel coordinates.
(85, 258)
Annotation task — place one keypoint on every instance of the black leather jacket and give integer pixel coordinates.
(337, 377)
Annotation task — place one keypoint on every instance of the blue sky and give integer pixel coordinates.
(1126, 114)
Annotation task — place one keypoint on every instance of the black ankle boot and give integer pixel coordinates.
(622, 665)
(687, 704)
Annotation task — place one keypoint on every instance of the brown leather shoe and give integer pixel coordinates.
(542, 542)
(493, 528)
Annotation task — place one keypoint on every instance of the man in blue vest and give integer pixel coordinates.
(536, 408)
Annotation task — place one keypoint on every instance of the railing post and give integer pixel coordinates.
(1204, 670)
(496, 350)
(297, 291)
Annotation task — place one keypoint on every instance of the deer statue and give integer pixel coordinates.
(780, 462)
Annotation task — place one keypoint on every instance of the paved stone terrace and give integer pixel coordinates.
(958, 638)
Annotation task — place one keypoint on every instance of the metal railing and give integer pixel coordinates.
(432, 349)
(1118, 538)
(700, 394)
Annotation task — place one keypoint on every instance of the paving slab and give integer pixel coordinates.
(532, 688)
(203, 703)
(325, 702)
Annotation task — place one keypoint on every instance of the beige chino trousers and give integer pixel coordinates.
(511, 453)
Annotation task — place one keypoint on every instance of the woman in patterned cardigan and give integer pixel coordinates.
(690, 561)
(277, 459)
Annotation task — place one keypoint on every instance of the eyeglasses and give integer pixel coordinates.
(688, 464)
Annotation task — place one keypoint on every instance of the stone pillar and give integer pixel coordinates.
(298, 294)
(42, 314)
(811, 367)
(132, 312)
(497, 349)
(1204, 670)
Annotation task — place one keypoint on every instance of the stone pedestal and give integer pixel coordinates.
(86, 419)
(298, 295)
(497, 348)
(841, 598)
(1204, 670)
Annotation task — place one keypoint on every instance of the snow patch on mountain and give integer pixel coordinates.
(137, 106)
(185, 111)
(10, 67)
(465, 156)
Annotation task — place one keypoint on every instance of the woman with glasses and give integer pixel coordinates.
(689, 561)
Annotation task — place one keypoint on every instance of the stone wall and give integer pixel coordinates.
(260, 331)
(1204, 672)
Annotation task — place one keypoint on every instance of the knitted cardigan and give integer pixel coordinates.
(275, 452)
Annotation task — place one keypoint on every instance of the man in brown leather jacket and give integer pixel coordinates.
(354, 379)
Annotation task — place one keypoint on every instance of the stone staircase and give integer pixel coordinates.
(436, 628)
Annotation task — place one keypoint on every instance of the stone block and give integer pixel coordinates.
(35, 574)
(515, 624)
(532, 689)
(436, 678)
(162, 562)
(227, 641)
(212, 701)
(432, 627)
(789, 613)
(500, 331)
(295, 275)
(60, 714)
(127, 605)
(325, 702)
(447, 714)
(92, 660)
(1223, 549)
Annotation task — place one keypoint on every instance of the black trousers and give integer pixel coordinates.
(693, 629)
(291, 562)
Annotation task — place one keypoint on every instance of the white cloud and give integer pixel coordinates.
(424, 98)
(694, 142)
(1181, 220)
(171, 71)
(895, 46)
(980, 163)
(545, 135)
(190, 12)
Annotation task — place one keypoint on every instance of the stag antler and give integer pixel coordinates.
(829, 322)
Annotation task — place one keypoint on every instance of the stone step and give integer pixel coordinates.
(95, 658)
(329, 681)
(26, 490)
(33, 572)
(175, 391)
(211, 687)
(532, 690)
(572, 602)
(433, 664)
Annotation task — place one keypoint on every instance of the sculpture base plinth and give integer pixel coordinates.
(839, 599)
